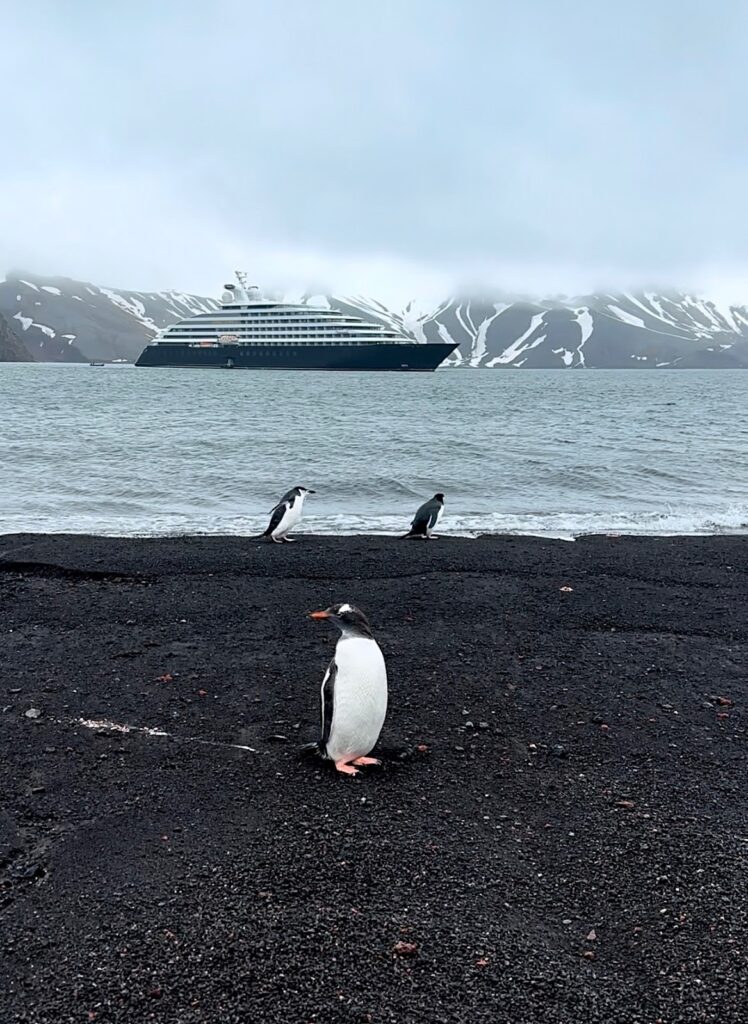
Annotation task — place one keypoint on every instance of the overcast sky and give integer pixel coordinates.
(377, 146)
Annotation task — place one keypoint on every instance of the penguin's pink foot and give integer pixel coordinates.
(367, 760)
(346, 769)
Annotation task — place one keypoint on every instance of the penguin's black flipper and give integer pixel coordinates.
(319, 748)
(278, 512)
(328, 696)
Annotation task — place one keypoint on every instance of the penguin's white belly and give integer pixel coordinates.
(359, 698)
(439, 514)
(290, 518)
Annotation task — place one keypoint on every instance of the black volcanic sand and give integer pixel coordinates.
(558, 833)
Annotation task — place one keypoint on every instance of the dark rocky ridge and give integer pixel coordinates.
(12, 349)
(570, 846)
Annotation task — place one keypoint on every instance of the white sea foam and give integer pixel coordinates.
(564, 525)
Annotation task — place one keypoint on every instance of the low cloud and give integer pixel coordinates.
(379, 148)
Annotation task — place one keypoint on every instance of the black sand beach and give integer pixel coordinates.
(558, 833)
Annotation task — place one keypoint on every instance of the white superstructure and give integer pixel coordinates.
(246, 317)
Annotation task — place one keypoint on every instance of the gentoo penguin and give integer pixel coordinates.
(286, 514)
(354, 692)
(426, 518)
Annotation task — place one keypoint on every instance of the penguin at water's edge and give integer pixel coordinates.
(427, 518)
(354, 692)
(286, 514)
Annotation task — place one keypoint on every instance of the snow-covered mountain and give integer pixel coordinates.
(64, 320)
(61, 320)
(624, 330)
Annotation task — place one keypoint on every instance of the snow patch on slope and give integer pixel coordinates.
(461, 320)
(133, 307)
(479, 348)
(657, 305)
(518, 346)
(444, 334)
(628, 318)
(27, 322)
(584, 319)
(567, 357)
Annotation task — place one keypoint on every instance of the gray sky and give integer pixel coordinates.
(380, 146)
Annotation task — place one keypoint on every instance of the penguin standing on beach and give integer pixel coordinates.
(354, 692)
(286, 514)
(427, 518)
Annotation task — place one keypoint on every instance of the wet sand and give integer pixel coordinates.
(558, 832)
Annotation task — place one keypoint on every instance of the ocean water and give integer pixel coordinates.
(124, 451)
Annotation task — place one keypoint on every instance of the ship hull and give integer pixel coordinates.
(381, 356)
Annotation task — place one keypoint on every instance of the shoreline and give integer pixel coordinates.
(557, 833)
(384, 534)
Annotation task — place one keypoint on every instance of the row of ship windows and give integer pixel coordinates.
(268, 314)
(266, 347)
(304, 321)
(239, 310)
(272, 325)
(261, 339)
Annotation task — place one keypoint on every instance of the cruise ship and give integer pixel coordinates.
(254, 333)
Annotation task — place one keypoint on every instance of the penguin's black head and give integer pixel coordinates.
(439, 497)
(346, 617)
(305, 490)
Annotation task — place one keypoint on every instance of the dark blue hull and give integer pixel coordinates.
(383, 356)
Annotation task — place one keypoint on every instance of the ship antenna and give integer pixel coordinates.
(242, 279)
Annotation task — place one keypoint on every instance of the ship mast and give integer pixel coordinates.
(247, 288)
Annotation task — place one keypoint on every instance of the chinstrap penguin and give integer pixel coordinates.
(354, 692)
(427, 518)
(286, 514)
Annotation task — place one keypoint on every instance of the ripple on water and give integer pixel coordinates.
(141, 452)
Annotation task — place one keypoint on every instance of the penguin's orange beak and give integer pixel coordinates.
(319, 615)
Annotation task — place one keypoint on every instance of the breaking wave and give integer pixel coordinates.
(563, 525)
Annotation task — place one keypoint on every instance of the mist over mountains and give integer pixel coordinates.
(56, 319)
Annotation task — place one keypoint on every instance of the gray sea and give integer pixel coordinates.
(124, 451)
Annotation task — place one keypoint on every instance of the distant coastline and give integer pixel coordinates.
(57, 319)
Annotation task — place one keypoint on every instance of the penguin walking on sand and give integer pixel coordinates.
(427, 518)
(286, 514)
(354, 692)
